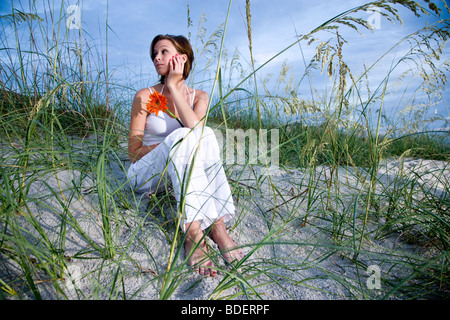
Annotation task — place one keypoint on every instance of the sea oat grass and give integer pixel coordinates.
(345, 198)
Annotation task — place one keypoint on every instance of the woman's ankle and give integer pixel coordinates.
(194, 231)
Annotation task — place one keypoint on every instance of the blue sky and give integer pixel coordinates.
(134, 23)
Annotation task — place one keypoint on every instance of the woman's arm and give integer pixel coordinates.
(190, 117)
(176, 85)
(136, 149)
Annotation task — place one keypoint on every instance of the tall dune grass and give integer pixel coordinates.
(63, 129)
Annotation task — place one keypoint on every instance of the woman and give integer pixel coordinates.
(159, 146)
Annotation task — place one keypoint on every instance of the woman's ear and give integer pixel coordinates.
(184, 57)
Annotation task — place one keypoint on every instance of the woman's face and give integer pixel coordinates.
(163, 52)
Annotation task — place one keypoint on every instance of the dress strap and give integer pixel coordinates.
(193, 99)
(187, 89)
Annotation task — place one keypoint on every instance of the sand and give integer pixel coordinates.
(302, 261)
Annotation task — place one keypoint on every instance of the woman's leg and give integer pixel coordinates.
(223, 200)
(217, 180)
(196, 250)
(172, 158)
(200, 184)
(191, 188)
(227, 246)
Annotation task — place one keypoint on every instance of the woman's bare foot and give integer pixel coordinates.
(198, 260)
(226, 245)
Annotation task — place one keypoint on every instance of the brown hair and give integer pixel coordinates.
(182, 45)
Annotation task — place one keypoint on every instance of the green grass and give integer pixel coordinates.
(424, 145)
(61, 139)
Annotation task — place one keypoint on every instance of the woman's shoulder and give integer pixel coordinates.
(144, 92)
(201, 100)
(140, 94)
(200, 94)
(140, 99)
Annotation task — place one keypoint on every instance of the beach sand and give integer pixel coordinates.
(303, 256)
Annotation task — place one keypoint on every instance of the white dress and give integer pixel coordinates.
(199, 182)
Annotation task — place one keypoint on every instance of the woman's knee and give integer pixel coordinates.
(204, 133)
(191, 139)
(180, 133)
(193, 135)
(207, 131)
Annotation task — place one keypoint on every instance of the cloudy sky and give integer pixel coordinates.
(134, 23)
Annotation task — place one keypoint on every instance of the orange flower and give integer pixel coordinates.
(156, 103)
